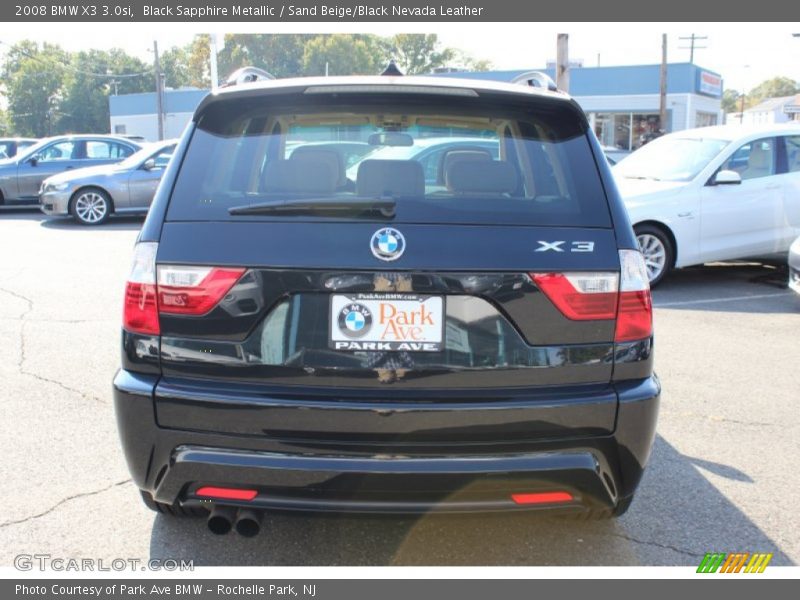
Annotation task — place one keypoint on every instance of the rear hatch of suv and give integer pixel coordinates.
(484, 271)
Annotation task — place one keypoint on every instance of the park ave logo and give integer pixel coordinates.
(381, 322)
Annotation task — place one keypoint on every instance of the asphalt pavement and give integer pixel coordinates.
(722, 477)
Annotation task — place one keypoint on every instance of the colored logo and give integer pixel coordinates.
(355, 320)
(736, 562)
(387, 244)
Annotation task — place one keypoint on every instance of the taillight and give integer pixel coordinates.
(170, 289)
(635, 313)
(581, 296)
(602, 296)
(193, 290)
(140, 313)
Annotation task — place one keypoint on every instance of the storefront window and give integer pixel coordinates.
(705, 119)
(626, 131)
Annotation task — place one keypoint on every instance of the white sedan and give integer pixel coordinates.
(714, 193)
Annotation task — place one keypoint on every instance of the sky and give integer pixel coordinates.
(745, 54)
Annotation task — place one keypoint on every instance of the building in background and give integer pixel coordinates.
(137, 115)
(622, 103)
(772, 110)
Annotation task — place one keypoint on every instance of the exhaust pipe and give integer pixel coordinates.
(248, 522)
(220, 520)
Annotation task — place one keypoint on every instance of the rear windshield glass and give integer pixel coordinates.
(441, 159)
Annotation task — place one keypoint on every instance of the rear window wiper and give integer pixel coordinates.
(360, 206)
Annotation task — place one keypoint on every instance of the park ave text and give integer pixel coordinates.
(288, 11)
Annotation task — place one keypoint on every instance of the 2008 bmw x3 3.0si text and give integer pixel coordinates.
(467, 332)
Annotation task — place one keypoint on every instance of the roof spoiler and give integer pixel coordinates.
(536, 79)
(247, 75)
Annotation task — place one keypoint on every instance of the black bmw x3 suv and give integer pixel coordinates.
(308, 330)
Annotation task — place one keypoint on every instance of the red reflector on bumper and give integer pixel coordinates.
(221, 493)
(542, 498)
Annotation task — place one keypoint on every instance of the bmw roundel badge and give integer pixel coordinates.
(387, 244)
(355, 320)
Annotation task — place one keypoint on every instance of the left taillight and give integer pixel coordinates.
(171, 289)
(140, 313)
(193, 290)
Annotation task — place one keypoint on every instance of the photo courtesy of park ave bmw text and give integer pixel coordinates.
(362, 298)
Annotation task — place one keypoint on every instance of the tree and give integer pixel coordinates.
(417, 53)
(343, 54)
(198, 53)
(772, 88)
(91, 77)
(175, 66)
(279, 54)
(731, 101)
(33, 77)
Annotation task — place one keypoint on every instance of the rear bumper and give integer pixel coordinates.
(598, 467)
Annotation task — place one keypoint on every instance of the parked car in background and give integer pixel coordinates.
(92, 194)
(714, 193)
(22, 176)
(10, 147)
(794, 266)
(614, 155)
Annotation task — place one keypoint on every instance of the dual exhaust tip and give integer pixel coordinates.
(246, 521)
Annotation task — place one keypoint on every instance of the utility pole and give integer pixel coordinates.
(159, 92)
(692, 39)
(662, 104)
(562, 62)
(213, 61)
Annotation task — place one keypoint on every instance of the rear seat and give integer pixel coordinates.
(299, 176)
(390, 178)
(456, 156)
(331, 158)
(482, 177)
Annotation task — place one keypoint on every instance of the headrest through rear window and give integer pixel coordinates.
(332, 158)
(456, 156)
(299, 176)
(482, 177)
(390, 178)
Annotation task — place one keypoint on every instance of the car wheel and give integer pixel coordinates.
(91, 206)
(657, 250)
(172, 510)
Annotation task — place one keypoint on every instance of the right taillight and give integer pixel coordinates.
(171, 289)
(598, 296)
(635, 311)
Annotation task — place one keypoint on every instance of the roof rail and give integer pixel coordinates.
(247, 75)
(536, 79)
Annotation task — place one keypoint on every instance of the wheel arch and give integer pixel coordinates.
(668, 232)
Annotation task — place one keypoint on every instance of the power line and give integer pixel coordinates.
(692, 45)
(74, 69)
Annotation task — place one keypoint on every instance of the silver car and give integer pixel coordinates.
(10, 147)
(794, 266)
(22, 175)
(91, 195)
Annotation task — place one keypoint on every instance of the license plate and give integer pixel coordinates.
(386, 322)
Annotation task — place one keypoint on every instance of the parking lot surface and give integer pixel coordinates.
(722, 477)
